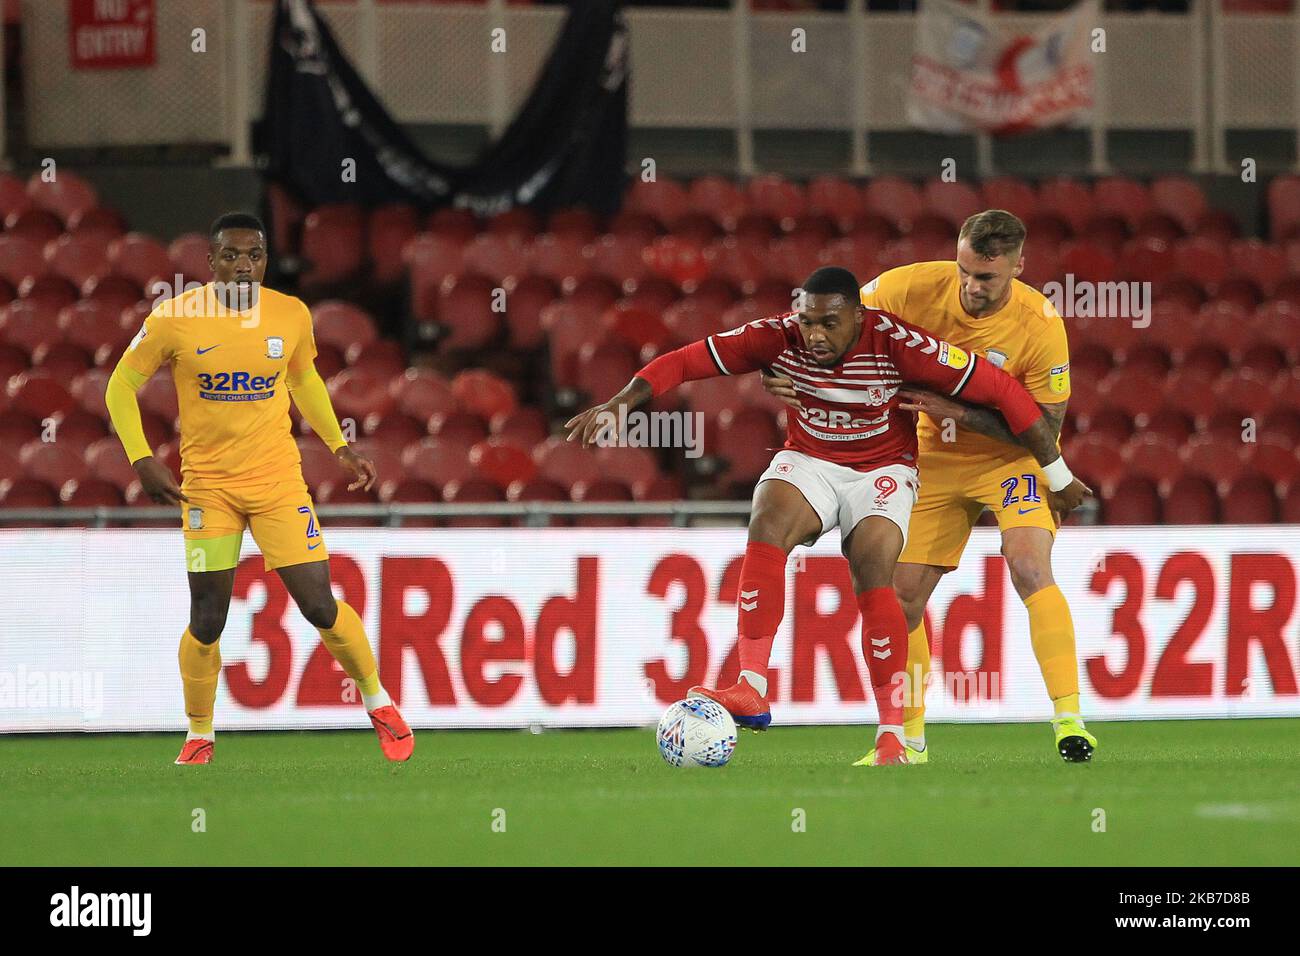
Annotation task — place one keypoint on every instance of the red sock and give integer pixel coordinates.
(884, 645)
(760, 605)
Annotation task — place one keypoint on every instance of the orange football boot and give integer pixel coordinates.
(747, 707)
(197, 750)
(395, 737)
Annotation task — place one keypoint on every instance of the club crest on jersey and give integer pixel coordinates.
(274, 347)
(996, 357)
(876, 395)
(196, 519)
(952, 356)
(1059, 380)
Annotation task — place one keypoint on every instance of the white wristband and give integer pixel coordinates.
(1057, 474)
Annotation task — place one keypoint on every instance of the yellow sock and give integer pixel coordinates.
(1051, 629)
(918, 669)
(200, 669)
(347, 641)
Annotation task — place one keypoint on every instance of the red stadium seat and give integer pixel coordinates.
(1282, 426)
(745, 439)
(777, 198)
(566, 462)
(561, 258)
(603, 489)
(1214, 457)
(1248, 500)
(27, 493)
(835, 198)
(1110, 424)
(1168, 422)
(521, 427)
(1284, 207)
(421, 394)
(523, 316)
(1096, 459)
(467, 315)
(342, 324)
(497, 256)
(1151, 456)
(652, 294)
(622, 258)
(29, 325)
(389, 229)
(954, 202)
(690, 320)
(1191, 392)
(482, 393)
(1089, 261)
(99, 220)
(458, 226)
(158, 396)
(604, 368)
(90, 494)
(627, 464)
(1242, 388)
(1147, 259)
(65, 195)
(88, 389)
(519, 223)
(140, 258)
(34, 225)
(1274, 459)
(13, 196)
(1069, 199)
(1120, 196)
(1136, 391)
(357, 393)
(1012, 194)
(663, 198)
(438, 461)
(1263, 264)
(502, 463)
(63, 360)
(1132, 500)
(12, 361)
(1180, 198)
(394, 428)
(896, 199)
(475, 491)
(189, 256)
(1190, 499)
(333, 245)
(458, 426)
(38, 395)
(383, 357)
(21, 258)
(52, 462)
(719, 199)
(430, 259)
(569, 327)
(106, 460)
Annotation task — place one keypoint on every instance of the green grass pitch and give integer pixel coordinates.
(1172, 792)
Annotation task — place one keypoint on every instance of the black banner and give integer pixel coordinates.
(566, 147)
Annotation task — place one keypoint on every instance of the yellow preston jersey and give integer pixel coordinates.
(229, 368)
(1025, 338)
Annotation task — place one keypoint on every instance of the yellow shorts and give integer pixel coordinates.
(955, 490)
(280, 514)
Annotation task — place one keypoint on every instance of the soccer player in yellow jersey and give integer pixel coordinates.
(977, 303)
(238, 353)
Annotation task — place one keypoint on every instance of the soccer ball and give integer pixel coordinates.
(696, 732)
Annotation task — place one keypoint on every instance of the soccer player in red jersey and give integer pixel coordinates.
(849, 461)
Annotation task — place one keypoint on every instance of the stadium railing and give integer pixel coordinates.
(534, 513)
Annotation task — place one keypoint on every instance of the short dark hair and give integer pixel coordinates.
(993, 233)
(832, 280)
(235, 220)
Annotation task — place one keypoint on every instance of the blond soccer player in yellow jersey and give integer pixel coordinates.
(977, 303)
(238, 353)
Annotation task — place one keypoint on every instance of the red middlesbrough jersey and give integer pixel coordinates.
(850, 412)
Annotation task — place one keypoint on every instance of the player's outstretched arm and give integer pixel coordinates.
(690, 362)
(124, 410)
(309, 393)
